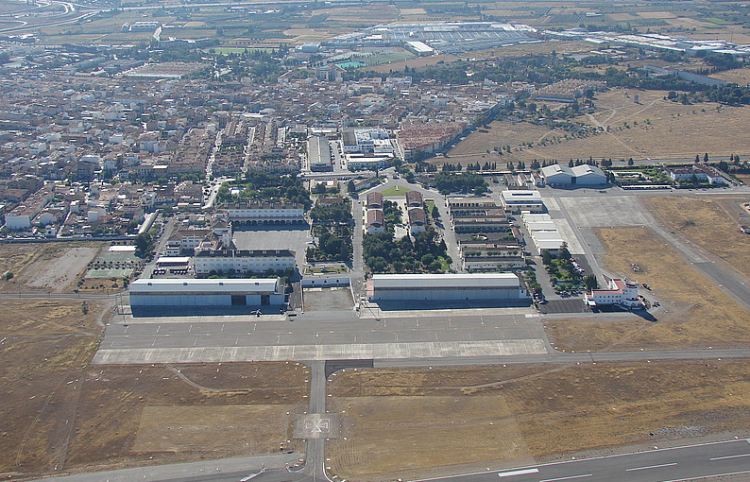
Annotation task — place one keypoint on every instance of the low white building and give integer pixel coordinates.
(18, 220)
(446, 287)
(243, 261)
(493, 263)
(206, 292)
(522, 200)
(618, 292)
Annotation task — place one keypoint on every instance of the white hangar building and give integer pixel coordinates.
(446, 287)
(206, 292)
(583, 175)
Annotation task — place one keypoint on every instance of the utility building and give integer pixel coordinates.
(206, 292)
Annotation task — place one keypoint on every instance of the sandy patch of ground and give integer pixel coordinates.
(242, 428)
(45, 267)
(58, 412)
(696, 314)
(400, 435)
(710, 223)
(502, 415)
(59, 272)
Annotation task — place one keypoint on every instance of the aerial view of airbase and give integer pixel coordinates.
(374, 241)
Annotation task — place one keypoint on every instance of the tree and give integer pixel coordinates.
(563, 254)
(435, 212)
(546, 257)
(320, 188)
(590, 282)
(143, 245)
(705, 157)
(631, 162)
(350, 187)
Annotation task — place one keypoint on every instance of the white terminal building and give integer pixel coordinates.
(618, 292)
(206, 292)
(446, 287)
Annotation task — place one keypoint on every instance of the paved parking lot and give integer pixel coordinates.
(291, 237)
(567, 305)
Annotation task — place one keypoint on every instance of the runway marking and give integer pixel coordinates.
(704, 476)
(568, 477)
(729, 457)
(650, 467)
(518, 472)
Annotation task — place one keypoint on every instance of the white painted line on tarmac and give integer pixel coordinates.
(518, 472)
(651, 467)
(729, 457)
(568, 477)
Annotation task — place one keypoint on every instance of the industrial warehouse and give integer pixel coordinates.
(494, 287)
(206, 292)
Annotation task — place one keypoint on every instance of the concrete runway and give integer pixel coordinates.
(672, 464)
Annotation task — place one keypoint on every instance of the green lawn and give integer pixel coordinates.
(395, 191)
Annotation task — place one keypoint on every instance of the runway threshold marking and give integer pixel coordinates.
(568, 477)
(729, 457)
(518, 472)
(650, 467)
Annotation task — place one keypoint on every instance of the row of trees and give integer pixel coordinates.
(447, 182)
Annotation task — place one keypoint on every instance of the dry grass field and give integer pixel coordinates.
(712, 224)
(61, 414)
(499, 133)
(414, 423)
(650, 128)
(412, 63)
(510, 51)
(302, 35)
(695, 313)
(45, 267)
(737, 76)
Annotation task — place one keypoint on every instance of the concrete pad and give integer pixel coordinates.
(316, 425)
(321, 352)
(601, 211)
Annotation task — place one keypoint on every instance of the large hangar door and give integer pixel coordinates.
(239, 300)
